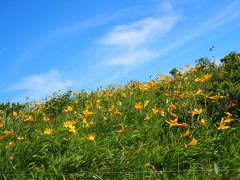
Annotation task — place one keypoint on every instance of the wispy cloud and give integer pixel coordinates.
(131, 58)
(138, 33)
(230, 13)
(83, 25)
(38, 85)
(132, 40)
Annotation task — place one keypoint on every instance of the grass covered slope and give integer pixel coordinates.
(183, 125)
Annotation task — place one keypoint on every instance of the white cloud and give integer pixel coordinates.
(230, 13)
(131, 58)
(39, 85)
(129, 44)
(138, 33)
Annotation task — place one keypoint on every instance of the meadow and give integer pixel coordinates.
(185, 125)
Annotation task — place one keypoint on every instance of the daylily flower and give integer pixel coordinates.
(196, 111)
(175, 123)
(48, 131)
(138, 106)
(90, 137)
(186, 133)
(202, 122)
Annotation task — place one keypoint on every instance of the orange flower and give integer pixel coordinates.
(110, 110)
(175, 123)
(222, 126)
(207, 76)
(138, 106)
(213, 97)
(1, 125)
(162, 113)
(155, 110)
(231, 105)
(173, 106)
(228, 120)
(193, 142)
(87, 113)
(186, 134)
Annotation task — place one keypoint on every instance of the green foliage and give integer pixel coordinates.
(184, 126)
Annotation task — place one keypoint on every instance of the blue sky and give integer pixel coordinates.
(46, 46)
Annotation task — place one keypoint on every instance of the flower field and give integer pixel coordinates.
(182, 125)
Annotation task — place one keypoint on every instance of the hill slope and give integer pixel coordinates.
(183, 125)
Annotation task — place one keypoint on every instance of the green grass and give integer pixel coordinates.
(131, 132)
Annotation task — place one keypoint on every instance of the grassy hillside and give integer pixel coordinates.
(185, 125)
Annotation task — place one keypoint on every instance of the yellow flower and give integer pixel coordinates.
(1, 137)
(69, 109)
(45, 118)
(14, 114)
(88, 124)
(120, 131)
(20, 138)
(98, 105)
(7, 132)
(29, 119)
(146, 103)
(9, 144)
(76, 94)
(147, 117)
(196, 111)
(186, 133)
(199, 92)
(11, 157)
(72, 130)
(48, 131)
(202, 122)
(90, 137)
(69, 124)
(149, 165)
(119, 103)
